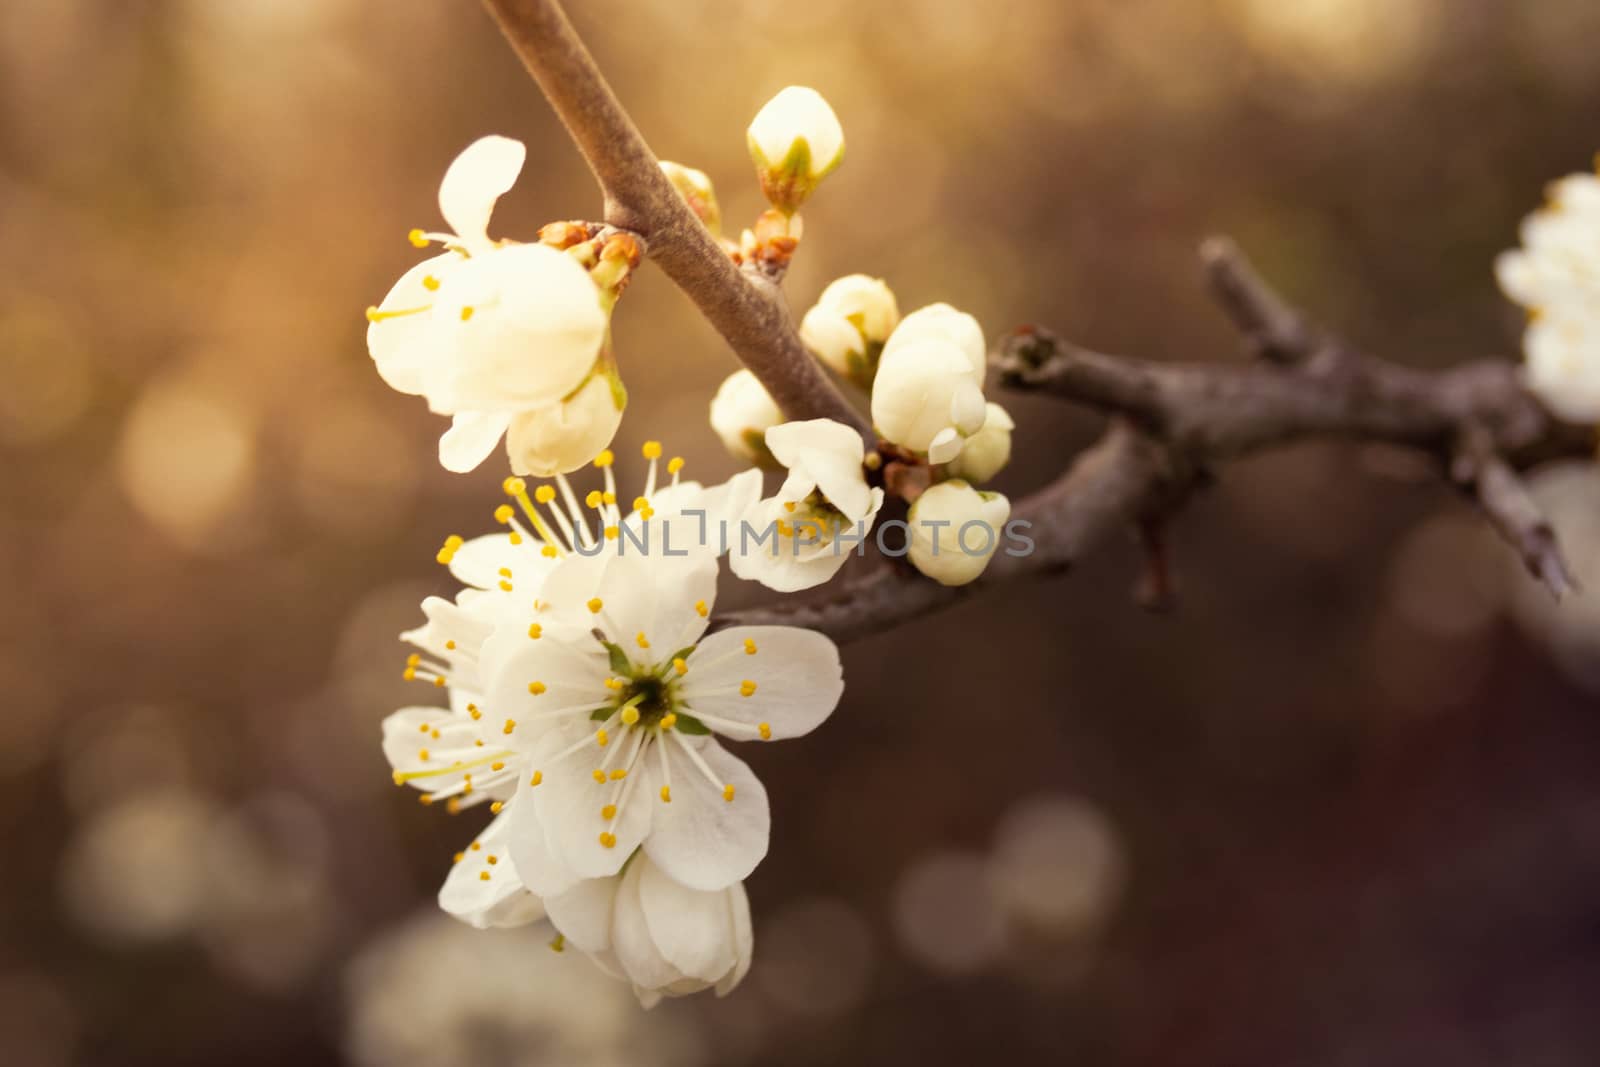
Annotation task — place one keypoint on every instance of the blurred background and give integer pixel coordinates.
(1341, 808)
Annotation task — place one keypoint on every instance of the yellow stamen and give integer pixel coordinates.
(466, 313)
(448, 551)
(503, 513)
(602, 738)
(608, 812)
(549, 552)
(675, 464)
(483, 876)
(423, 754)
(418, 238)
(458, 857)
(766, 731)
(605, 458)
(535, 631)
(544, 494)
(472, 709)
(511, 724)
(619, 774)
(680, 665)
(599, 776)
(641, 640)
(727, 793)
(749, 646)
(593, 499)
(630, 716)
(497, 766)
(700, 608)
(608, 840)
(536, 688)
(652, 450)
(669, 720)
(666, 794)
(430, 283)
(497, 807)
(747, 688)
(612, 532)
(538, 776)
(595, 606)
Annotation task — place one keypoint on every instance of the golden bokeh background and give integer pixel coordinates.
(1341, 808)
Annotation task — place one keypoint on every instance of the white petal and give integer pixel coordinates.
(400, 345)
(403, 739)
(528, 843)
(560, 438)
(945, 446)
(485, 170)
(570, 673)
(630, 938)
(499, 900)
(830, 453)
(570, 803)
(797, 673)
(583, 913)
(692, 928)
(744, 941)
(469, 440)
(700, 839)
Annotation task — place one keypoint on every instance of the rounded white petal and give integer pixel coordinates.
(499, 900)
(744, 941)
(700, 839)
(758, 554)
(955, 530)
(636, 950)
(986, 452)
(478, 177)
(570, 803)
(922, 389)
(797, 114)
(399, 341)
(691, 928)
(469, 440)
(403, 739)
(523, 328)
(829, 454)
(559, 438)
(833, 339)
(583, 913)
(867, 303)
(741, 413)
(945, 323)
(797, 673)
(527, 841)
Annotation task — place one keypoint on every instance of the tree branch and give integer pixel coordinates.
(747, 310)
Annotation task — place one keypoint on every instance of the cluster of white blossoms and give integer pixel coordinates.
(588, 702)
(510, 340)
(1555, 275)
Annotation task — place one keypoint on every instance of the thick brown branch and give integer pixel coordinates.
(749, 312)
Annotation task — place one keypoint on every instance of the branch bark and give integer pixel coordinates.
(746, 309)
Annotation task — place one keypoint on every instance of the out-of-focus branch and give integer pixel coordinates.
(1172, 422)
(747, 309)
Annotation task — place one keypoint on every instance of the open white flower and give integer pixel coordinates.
(928, 393)
(1556, 276)
(955, 530)
(618, 698)
(988, 451)
(487, 329)
(741, 414)
(795, 141)
(663, 937)
(823, 511)
(849, 324)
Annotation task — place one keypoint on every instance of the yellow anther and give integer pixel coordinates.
(558, 943)
(466, 313)
(641, 504)
(605, 458)
(511, 724)
(515, 537)
(544, 494)
(619, 774)
(608, 840)
(458, 857)
(496, 807)
(700, 608)
(680, 665)
(399, 779)
(514, 486)
(789, 506)
(538, 776)
(448, 551)
(425, 799)
(630, 716)
(504, 572)
(614, 684)
(648, 512)
(478, 741)
(472, 709)
(747, 688)
(426, 728)
(666, 794)
(595, 605)
(536, 687)
(549, 552)
(727, 793)
(535, 631)
(430, 283)
(497, 766)
(749, 646)
(505, 585)
(669, 720)
(413, 659)
(503, 513)
(608, 812)
(609, 497)
(418, 238)
(602, 738)
(766, 731)
(435, 734)
(438, 681)
(599, 775)
(641, 640)
(612, 532)
(492, 859)
(593, 499)
(483, 876)
(422, 754)
(451, 645)
(651, 450)
(675, 464)
(409, 674)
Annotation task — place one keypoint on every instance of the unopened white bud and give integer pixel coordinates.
(562, 437)
(741, 414)
(848, 325)
(988, 451)
(795, 141)
(697, 191)
(955, 530)
(928, 393)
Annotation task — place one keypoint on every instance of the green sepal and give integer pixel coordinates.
(690, 725)
(620, 664)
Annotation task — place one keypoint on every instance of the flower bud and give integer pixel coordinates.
(562, 437)
(988, 451)
(795, 141)
(696, 189)
(955, 530)
(741, 414)
(849, 324)
(928, 393)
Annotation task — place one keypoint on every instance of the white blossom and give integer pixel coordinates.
(1556, 276)
(487, 330)
(741, 414)
(988, 451)
(697, 191)
(849, 324)
(928, 393)
(556, 438)
(802, 536)
(795, 141)
(955, 530)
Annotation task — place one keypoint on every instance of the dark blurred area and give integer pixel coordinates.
(1341, 808)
